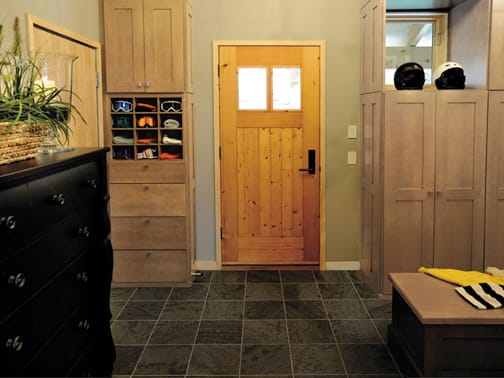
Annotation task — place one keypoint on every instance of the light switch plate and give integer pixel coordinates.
(352, 157)
(352, 131)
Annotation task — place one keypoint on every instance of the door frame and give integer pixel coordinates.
(216, 121)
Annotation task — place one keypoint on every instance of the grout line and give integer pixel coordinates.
(291, 360)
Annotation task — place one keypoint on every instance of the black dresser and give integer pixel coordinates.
(55, 266)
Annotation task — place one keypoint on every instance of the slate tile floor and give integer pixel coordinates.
(254, 324)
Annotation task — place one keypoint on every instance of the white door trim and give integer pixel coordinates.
(216, 122)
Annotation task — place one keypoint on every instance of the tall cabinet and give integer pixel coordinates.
(431, 188)
(148, 120)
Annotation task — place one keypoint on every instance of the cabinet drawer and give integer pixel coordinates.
(149, 232)
(147, 200)
(26, 330)
(132, 267)
(15, 219)
(151, 172)
(34, 266)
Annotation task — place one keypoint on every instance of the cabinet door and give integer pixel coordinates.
(409, 137)
(496, 56)
(372, 46)
(371, 202)
(494, 243)
(460, 179)
(164, 45)
(124, 45)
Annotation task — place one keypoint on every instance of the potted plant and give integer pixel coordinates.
(30, 107)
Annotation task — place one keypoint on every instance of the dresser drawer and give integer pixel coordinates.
(132, 267)
(70, 341)
(26, 330)
(33, 267)
(147, 172)
(149, 233)
(56, 196)
(15, 219)
(147, 200)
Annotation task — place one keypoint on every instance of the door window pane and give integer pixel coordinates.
(252, 88)
(287, 88)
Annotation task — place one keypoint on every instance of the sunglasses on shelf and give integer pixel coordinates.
(146, 120)
(171, 106)
(122, 106)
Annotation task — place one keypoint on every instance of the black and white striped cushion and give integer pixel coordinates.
(483, 296)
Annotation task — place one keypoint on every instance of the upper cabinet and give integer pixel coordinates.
(496, 56)
(147, 45)
(372, 45)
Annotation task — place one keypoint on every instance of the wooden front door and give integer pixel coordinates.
(270, 169)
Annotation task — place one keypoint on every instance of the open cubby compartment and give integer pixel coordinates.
(123, 152)
(146, 121)
(122, 121)
(147, 137)
(171, 152)
(122, 137)
(170, 121)
(146, 105)
(147, 152)
(116, 105)
(168, 105)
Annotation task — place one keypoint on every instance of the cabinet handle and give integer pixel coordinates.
(140, 85)
(148, 85)
(17, 280)
(83, 231)
(146, 188)
(59, 199)
(16, 343)
(8, 222)
(84, 324)
(82, 277)
(145, 167)
(92, 183)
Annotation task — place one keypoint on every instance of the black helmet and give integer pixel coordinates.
(409, 76)
(449, 75)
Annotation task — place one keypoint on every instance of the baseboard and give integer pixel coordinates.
(205, 265)
(330, 265)
(343, 265)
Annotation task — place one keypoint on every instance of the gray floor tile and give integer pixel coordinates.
(263, 276)
(302, 291)
(121, 293)
(316, 359)
(265, 332)
(182, 310)
(379, 308)
(116, 307)
(164, 360)
(219, 332)
(215, 360)
(355, 331)
(131, 332)
(226, 292)
(346, 309)
(229, 277)
(193, 293)
(174, 332)
(297, 276)
(310, 332)
(304, 310)
(265, 359)
(151, 293)
(264, 310)
(223, 310)
(338, 291)
(141, 310)
(264, 292)
(126, 359)
(365, 290)
(367, 359)
(335, 276)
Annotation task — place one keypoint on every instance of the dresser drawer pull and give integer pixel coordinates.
(8, 222)
(16, 343)
(17, 280)
(84, 232)
(82, 277)
(92, 183)
(59, 199)
(84, 324)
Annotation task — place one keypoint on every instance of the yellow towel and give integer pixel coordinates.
(462, 277)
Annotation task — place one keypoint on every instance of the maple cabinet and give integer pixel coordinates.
(434, 162)
(372, 45)
(147, 45)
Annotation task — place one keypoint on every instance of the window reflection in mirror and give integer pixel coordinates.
(415, 37)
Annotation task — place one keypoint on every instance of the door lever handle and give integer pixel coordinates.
(311, 163)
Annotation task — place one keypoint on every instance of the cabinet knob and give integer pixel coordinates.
(14, 343)
(17, 280)
(148, 85)
(92, 183)
(83, 231)
(9, 222)
(140, 85)
(145, 167)
(146, 188)
(84, 324)
(82, 277)
(59, 199)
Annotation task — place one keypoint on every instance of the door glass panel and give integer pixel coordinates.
(252, 88)
(287, 88)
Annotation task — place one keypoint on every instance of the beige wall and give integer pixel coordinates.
(336, 22)
(78, 16)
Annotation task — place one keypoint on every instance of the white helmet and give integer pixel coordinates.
(449, 75)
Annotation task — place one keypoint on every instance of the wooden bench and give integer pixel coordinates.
(434, 332)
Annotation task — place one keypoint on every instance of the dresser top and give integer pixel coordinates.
(46, 163)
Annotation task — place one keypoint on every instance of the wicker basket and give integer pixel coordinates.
(18, 143)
